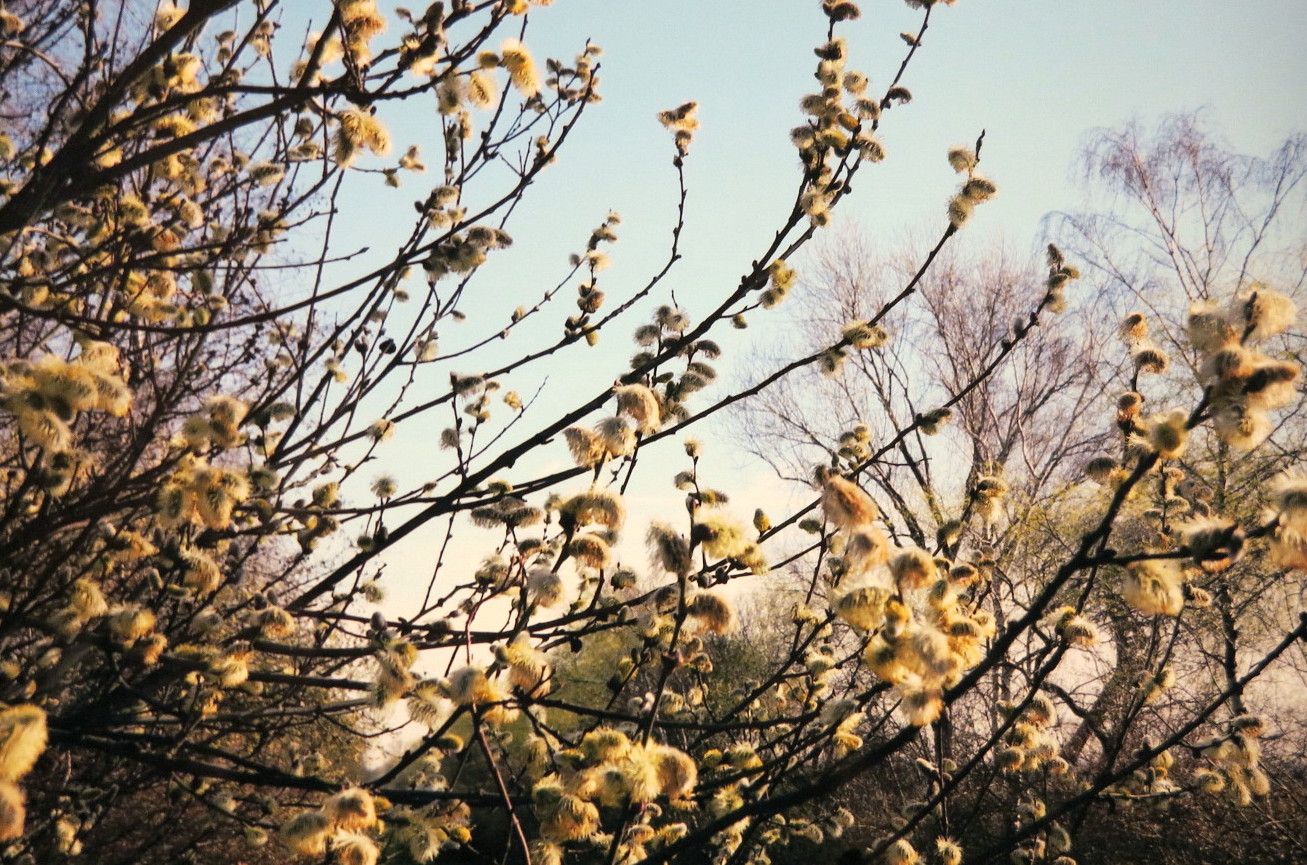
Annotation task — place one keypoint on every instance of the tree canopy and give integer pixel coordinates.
(1039, 591)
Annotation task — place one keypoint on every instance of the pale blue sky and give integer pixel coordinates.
(1037, 75)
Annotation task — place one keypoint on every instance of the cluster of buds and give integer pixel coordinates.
(682, 123)
(1289, 541)
(1234, 762)
(1245, 384)
(1029, 743)
(976, 189)
(23, 736)
(606, 768)
(341, 825)
(462, 254)
(1060, 275)
(47, 396)
(836, 114)
(578, 81)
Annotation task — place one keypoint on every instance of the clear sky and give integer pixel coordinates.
(1037, 75)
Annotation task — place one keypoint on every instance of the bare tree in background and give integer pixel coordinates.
(1179, 221)
(1018, 408)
